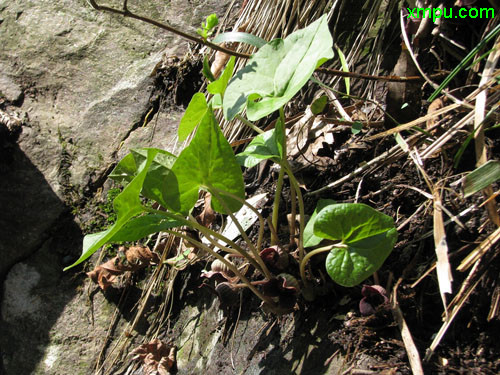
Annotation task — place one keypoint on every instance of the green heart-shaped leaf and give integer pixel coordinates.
(142, 226)
(127, 169)
(309, 238)
(268, 145)
(278, 71)
(195, 111)
(127, 204)
(367, 238)
(207, 162)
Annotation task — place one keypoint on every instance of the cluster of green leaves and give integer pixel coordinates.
(364, 239)
(208, 26)
(271, 78)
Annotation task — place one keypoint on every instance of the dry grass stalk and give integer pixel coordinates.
(411, 348)
(443, 265)
(479, 251)
(481, 152)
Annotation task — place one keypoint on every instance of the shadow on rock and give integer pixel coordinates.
(38, 237)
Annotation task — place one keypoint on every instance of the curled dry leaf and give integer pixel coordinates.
(219, 63)
(131, 259)
(207, 216)
(157, 357)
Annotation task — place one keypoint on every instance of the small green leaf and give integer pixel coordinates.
(127, 170)
(202, 32)
(319, 105)
(236, 36)
(219, 86)
(357, 127)
(211, 22)
(345, 68)
(207, 72)
(366, 237)
(195, 111)
(309, 238)
(216, 101)
(264, 146)
(278, 71)
(481, 177)
(208, 161)
(208, 25)
(142, 226)
(126, 205)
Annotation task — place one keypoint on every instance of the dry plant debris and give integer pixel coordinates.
(157, 357)
(128, 259)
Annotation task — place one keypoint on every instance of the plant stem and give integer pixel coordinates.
(276, 205)
(295, 184)
(279, 184)
(262, 266)
(249, 124)
(208, 233)
(126, 13)
(262, 221)
(231, 266)
(308, 256)
(293, 214)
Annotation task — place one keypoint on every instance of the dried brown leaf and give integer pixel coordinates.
(156, 357)
(207, 216)
(131, 259)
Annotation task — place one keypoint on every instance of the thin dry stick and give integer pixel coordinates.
(479, 140)
(457, 304)
(125, 12)
(393, 152)
(411, 348)
(479, 251)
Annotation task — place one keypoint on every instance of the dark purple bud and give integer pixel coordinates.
(373, 297)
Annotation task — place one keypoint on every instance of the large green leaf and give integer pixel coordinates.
(278, 71)
(195, 111)
(127, 170)
(126, 205)
(142, 226)
(309, 238)
(219, 86)
(207, 161)
(367, 238)
(268, 145)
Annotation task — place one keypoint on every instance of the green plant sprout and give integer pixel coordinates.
(273, 75)
(208, 26)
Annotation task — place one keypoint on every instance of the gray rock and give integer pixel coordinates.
(9, 89)
(84, 80)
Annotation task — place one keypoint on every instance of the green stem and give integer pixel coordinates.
(249, 124)
(276, 205)
(262, 221)
(261, 265)
(308, 256)
(208, 233)
(231, 266)
(293, 213)
(279, 184)
(295, 184)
